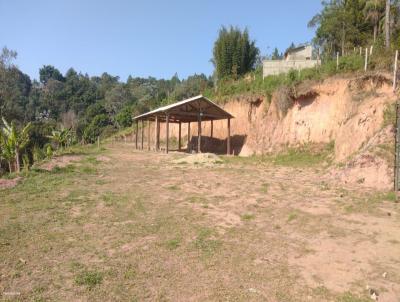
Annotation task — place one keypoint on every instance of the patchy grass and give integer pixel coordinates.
(206, 241)
(292, 216)
(173, 244)
(264, 188)
(247, 217)
(102, 231)
(305, 156)
(349, 297)
(89, 279)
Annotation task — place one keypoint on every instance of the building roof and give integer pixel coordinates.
(297, 48)
(187, 111)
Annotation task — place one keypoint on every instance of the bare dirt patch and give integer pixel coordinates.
(9, 183)
(154, 230)
(60, 162)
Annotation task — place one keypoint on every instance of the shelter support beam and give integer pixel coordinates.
(136, 134)
(199, 133)
(212, 129)
(188, 138)
(228, 139)
(179, 136)
(142, 138)
(167, 133)
(157, 134)
(148, 135)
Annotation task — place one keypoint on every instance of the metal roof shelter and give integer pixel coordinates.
(196, 109)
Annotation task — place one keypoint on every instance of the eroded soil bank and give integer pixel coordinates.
(353, 114)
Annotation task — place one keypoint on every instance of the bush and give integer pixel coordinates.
(124, 117)
(94, 129)
(351, 63)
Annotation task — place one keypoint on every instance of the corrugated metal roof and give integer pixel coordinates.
(166, 108)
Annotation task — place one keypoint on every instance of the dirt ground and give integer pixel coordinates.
(125, 225)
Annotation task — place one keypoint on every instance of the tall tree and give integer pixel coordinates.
(373, 12)
(48, 72)
(234, 53)
(387, 24)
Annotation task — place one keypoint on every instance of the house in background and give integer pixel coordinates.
(296, 58)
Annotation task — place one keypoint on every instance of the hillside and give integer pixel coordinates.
(352, 115)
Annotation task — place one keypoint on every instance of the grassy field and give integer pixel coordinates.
(123, 225)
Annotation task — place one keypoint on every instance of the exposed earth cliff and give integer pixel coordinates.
(354, 114)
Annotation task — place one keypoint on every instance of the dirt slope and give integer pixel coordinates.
(346, 111)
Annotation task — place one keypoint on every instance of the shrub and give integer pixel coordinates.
(94, 129)
(124, 117)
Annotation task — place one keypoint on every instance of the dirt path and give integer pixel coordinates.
(153, 230)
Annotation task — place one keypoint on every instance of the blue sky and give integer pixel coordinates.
(142, 38)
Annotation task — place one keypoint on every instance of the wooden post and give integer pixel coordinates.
(156, 134)
(148, 135)
(136, 134)
(188, 138)
(370, 50)
(98, 142)
(397, 151)
(179, 135)
(167, 133)
(366, 59)
(337, 60)
(199, 133)
(228, 139)
(360, 50)
(212, 128)
(142, 138)
(395, 71)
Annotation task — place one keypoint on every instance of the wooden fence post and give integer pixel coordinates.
(366, 59)
(337, 60)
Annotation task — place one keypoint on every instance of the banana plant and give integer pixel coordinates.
(62, 138)
(13, 141)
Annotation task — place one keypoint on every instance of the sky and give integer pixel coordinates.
(143, 38)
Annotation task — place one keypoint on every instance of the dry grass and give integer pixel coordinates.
(138, 228)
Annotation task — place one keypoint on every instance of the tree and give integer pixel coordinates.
(48, 72)
(341, 24)
(387, 24)
(94, 129)
(15, 88)
(14, 141)
(373, 13)
(234, 53)
(276, 55)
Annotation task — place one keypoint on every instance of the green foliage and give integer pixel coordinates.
(342, 25)
(48, 72)
(89, 278)
(234, 54)
(94, 129)
(63, 137)
(124, 117)
(13, 141)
